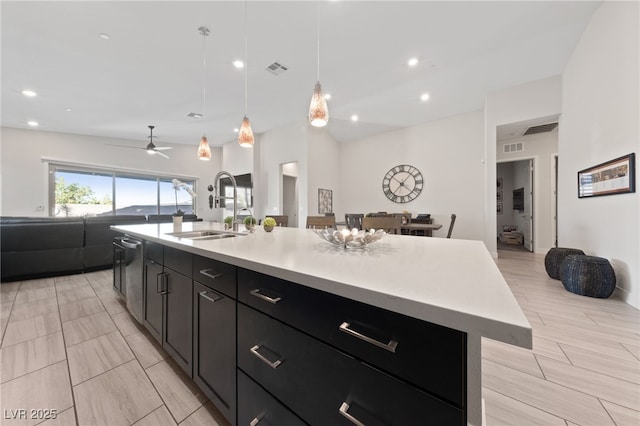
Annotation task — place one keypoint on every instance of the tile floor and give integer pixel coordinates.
(69, 344)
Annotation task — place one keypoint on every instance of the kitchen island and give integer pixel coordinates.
(385, 335)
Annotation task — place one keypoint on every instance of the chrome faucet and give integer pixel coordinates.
(218, 197)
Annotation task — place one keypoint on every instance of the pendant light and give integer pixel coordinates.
(245, 135)
(318, 111)
(204, 152)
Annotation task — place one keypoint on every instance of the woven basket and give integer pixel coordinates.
(588, 276)
(554, 258)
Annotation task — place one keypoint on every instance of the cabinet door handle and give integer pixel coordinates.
(165, 282)
(344, 410)
(275, 364)
(255, 421)
(159, 283)
(256, 292)
(391, 346)
(207, 273)
(203, 294)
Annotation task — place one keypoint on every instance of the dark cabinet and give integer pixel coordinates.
(177, 336)
(153, 300)
(214, 356)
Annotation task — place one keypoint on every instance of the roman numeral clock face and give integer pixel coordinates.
(402, 183)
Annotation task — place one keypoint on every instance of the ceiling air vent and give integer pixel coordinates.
(194, 115)
(276, 68)
(543, 128)
(513, 147)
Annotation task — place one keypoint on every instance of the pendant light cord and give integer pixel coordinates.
(204, 72)
(246, 66)
(318, 38)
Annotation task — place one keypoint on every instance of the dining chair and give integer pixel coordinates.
(282, 220)
(353, 220)
(389, 224)
(321, 222)
(453, 220)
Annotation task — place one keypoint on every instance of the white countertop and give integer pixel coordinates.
(454, 283)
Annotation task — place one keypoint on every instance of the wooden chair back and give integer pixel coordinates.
(353, 220)
(390, 224)
(453, 221)
(281, 220)
(321, 222)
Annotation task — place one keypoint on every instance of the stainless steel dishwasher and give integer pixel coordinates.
(133, 274)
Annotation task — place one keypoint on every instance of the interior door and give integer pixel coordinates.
(289, 199)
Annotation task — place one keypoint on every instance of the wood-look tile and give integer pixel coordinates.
(504, 411)
(9, 290)
(206, 415)
(634, 350)
(85, 328)
(621, 415)
(28, 295)
(26, 357)
(80, 308)
(65, 286)
(180, 394)
(146, 349)
(555, 399)
(47, 388)
(113, 304)
(37, 283)
(73, 295)
(622, 369)
(95, 356)
(30, 328)
(511, 356)
(599, 385)
(606, 320)
(126, 323)
(159, 417)
(120, 396)
(64, 418)
(67, 279)
(601, 332)
(549, 349)
(33, 309)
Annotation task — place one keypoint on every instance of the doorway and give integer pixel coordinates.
(515, 197)
(289, 191)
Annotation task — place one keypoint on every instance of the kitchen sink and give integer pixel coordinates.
(204, 235)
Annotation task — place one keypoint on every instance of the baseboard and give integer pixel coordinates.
(627, 297)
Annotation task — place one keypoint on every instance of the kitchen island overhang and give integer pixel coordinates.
(448, 282)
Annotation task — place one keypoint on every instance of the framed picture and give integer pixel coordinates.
(499, 183)
(613, 177)
(499, 208)
(325, 201)
(499, 196)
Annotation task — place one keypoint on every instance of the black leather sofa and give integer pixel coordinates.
(37, 247)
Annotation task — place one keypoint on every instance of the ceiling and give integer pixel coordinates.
(150, 71)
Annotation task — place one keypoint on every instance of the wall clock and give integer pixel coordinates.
(402, 183)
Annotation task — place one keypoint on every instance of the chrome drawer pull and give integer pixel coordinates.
(203, 294)
(206, 273)
(274, 364)
(344, 410)
(255, 421)
(391, 346)
(256, 292)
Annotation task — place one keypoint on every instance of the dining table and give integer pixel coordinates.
(428, 228)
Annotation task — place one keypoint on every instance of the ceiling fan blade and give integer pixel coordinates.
(162, 148)
(162, 154)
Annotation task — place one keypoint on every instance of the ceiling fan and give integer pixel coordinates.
(151, 148)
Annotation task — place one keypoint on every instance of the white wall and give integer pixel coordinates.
(25, 174)
(541, 148)
(324, 154)
(448, 153)
(600, 122)
(284, 145)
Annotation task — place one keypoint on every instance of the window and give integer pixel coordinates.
(80, 191)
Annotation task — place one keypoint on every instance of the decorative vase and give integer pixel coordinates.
(268, 228)
(177, 222)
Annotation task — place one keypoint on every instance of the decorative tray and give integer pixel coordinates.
(350, 239)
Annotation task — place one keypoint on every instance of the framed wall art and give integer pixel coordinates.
(325, 201)
(612, 177)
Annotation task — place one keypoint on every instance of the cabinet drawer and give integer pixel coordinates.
(324, 386)
(216, 275)
(257, 407)
(154, 251)
(428, 355)
(178, 260)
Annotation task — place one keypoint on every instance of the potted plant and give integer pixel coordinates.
(269, 223)
(228, 222)
(249, 222)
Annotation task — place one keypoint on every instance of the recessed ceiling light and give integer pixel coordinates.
(29, 93)
(412, 62)
(68, 109)
(238, 64)
(236, 130)
(327, 96)
(32, 123)
(424, 97)
(105, 36)
(354, 117)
